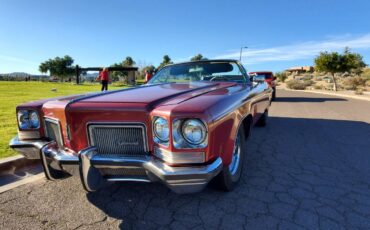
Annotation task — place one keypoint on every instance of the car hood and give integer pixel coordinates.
(169, 93)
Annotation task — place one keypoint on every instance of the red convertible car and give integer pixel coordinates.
(186, 127)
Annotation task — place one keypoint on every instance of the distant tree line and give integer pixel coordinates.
(63, 68)
(60, 67)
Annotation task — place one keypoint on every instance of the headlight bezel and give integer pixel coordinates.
(158, 138)
(24, 119)
(178, 139)
(186, 123)
(34, 114)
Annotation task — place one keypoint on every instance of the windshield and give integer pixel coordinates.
(199, 71)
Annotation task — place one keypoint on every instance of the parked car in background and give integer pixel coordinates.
(269, 78)
(187, 126)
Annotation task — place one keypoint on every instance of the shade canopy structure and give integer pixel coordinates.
(129, 69)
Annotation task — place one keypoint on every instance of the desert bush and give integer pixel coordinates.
(352, 83)
(366, 74)
(299, 85)
(318, 86)
(307, 77)
(281, 76)
(318, 78)
(359, 91)
(308, 82)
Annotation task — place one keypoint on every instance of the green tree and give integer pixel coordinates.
(353, 62)
(166, 61)
(335, 62)
(198, 57)
(59, 66)
(116, 75)
(128, 61)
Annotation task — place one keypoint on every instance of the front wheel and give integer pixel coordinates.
(230, 175)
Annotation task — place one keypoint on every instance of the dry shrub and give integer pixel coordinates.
(298, 85)
(352, 83)
(359, 91)
(318, 86)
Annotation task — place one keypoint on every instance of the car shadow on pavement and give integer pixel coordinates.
(307, 99)
(299, 173)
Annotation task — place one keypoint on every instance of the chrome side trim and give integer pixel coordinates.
(129, 179)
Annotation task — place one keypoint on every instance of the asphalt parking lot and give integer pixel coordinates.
(308, 169)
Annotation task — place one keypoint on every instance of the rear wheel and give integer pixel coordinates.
(230, 175)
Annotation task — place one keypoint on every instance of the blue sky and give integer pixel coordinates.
(279, 33)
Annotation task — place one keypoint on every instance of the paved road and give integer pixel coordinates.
(308, 169)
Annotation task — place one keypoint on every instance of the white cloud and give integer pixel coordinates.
(299, 51)
(15, 59)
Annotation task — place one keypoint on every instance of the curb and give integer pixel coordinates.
(331, 94)
(12, 163)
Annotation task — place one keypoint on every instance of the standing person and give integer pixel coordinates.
(148, 75)
(104, 78)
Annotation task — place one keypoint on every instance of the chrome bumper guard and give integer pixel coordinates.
(30, 148)
(181, 180)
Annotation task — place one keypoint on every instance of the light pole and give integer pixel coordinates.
(241, 51)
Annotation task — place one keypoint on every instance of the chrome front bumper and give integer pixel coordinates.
(88, 164)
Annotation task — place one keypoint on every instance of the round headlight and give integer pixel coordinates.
(34, 120)
(194, 131)
(23, 119)
(161, 130)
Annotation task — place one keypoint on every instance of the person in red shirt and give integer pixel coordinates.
(104, 78)
(148, 76)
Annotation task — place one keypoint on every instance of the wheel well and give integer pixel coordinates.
(247, 125)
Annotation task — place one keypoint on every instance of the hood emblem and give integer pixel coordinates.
(125, 142)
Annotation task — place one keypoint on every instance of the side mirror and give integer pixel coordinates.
(258, 78)
(251, 77)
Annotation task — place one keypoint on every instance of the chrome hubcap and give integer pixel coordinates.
(234, 165)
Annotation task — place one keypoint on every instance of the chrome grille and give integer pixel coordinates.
(118, 140)
(123, 171)
(53, 131)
